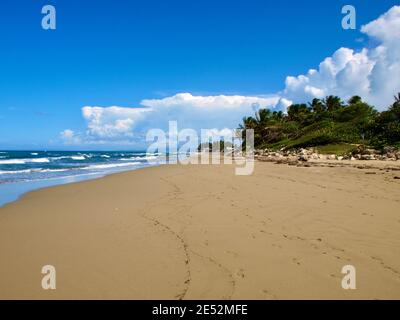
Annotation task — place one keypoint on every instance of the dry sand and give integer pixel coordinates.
(200, 232)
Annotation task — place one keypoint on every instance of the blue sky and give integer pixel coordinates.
(118, 53)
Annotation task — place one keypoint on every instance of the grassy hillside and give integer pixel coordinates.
(328, 124)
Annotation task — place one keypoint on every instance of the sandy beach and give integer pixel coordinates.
(200, 232)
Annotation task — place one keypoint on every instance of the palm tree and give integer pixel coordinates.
(298, 112)
(395, 108)
(266, 125)
(263, 116)
(397, 99)
(277, 116)
(248, 123)
(332, 103)
(316, 105)
(355, 100)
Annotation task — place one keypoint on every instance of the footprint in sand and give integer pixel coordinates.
(268, 294)
(296, 261)
(240, 273)
(234, 254)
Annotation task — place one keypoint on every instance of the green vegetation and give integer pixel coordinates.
(340, 149)
(330, 125)
(222, 146)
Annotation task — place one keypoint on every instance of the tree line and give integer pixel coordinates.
(326, 121)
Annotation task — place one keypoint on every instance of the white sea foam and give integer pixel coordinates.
(32, 171)
(34, 153)
(12, 161)
(109, 166)
(68, 157)
(140, 154)
(23, 161)
(78, 158)
(38, 160)
(139, 158)
(15, 172)
(50, 170)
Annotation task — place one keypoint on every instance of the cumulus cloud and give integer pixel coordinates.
(211, 102)
(204, 112)
(69, 137)
(346, 73)
(67, 134)
(127, 125)
(227, 133)
(386, 28)
(112, 122)
(372, 73)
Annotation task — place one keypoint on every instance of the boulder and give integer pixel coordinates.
(370, 152)
(388, 150)
(368, 157)
(303, 158)
(303, 152)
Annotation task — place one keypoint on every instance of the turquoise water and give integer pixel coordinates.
(24, 171)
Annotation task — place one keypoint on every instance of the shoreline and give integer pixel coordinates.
(22, 171)
(200, 232)
(359, 164)
(47, 183)
(24, 187)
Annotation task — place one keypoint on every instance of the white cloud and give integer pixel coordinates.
(112, 122)
(345, 74)
(372, 73)
(227, 133)
(121, 124)
(386, 28)
(187, 100)
(69, 137)
(67, 134)
(204, 112)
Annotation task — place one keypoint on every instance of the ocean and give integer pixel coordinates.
(23, 171)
